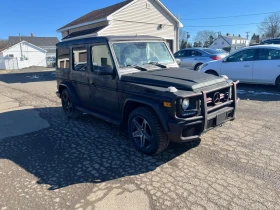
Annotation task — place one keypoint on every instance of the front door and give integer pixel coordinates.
(103, 88)
(239, 66)
(79, 73)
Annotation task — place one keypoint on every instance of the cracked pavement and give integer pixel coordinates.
(88, 164)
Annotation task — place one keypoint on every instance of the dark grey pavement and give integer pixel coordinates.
(90, 164)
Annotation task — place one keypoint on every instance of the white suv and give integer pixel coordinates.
(257, 64)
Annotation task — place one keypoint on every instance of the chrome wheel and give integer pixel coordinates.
(141, 132)
(67, 103)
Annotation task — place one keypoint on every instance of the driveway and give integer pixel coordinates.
(89, 164)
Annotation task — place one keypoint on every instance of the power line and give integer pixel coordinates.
(241, 24)
(209, 18)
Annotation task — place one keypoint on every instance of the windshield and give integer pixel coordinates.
(141, 53)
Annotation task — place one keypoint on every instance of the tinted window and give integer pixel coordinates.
(194, 53)
(79, 58)
(63, 57)
(269, 54)
(100, 57)
(245, 55)
(180, 53)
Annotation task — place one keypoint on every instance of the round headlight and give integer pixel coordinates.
(185, 104)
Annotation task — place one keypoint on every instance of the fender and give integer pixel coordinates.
(160, 112)
(71, 90)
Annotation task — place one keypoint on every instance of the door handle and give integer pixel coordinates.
(246, 66)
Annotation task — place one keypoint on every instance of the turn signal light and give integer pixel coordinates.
(167, 104)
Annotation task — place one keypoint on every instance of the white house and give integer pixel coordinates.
(130, 17)
(46, 43)
(231, 42)
(22, 55)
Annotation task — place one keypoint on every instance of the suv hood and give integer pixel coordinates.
(176, 77)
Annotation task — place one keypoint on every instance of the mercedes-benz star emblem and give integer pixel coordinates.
(216, 98)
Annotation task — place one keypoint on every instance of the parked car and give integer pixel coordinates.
(192, 58)
(136, 83)
(51, 61)
(256, 64)
(271, 41)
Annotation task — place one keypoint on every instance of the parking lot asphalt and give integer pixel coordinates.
(91, 164)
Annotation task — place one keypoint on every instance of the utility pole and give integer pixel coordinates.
(247, 34)
(188, 36)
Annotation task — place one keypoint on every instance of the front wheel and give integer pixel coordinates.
(146, 131)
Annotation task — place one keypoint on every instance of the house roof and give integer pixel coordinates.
(6, 48)
(37, 41)
(234, 37)
(97, 14)
(103, 14)
(84, 32)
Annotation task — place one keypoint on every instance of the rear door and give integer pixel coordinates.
(239, 66)
(192, 57)
(79, 73)
(267, 66)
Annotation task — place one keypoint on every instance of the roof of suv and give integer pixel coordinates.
(109, 39)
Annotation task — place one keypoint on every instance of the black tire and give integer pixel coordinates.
(68, 105)
(197, 66)
(277, 83)
(212, 72)
(155, 138)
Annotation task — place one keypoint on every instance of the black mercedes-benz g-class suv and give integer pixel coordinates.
(136, 82)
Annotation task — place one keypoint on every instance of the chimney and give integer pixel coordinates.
(32, 35)
(228, 34)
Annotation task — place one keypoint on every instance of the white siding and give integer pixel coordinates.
(136, 19)
(219, 43)
(35, 56)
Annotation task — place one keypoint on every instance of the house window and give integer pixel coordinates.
(233, 41)
(79, 58)
(63, 57)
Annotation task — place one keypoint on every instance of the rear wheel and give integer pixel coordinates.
(68, 105)
(146, 131)
(278, 83)
(212, 72)
(197, 66)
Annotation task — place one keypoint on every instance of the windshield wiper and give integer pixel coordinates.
(138, 67)
(158, 65)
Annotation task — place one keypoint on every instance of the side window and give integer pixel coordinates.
(63, 57)
(100, 57)
(245, 55)
(79, 58)
(269, 54)
(194, 53)
(180, 54)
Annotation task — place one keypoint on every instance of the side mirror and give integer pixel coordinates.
(179, 62)
(105, 70)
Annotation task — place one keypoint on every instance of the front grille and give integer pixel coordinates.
(218, 97)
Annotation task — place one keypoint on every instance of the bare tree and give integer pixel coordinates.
(3, 44)
(205, 37)
(270, 26)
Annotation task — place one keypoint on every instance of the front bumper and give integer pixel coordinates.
(183, 130)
